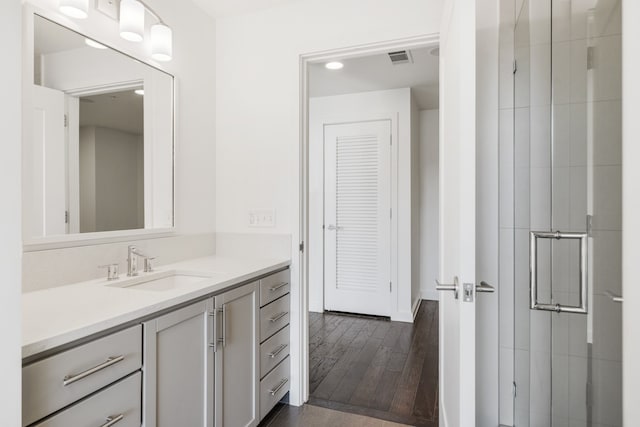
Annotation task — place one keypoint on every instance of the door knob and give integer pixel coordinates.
(449, 287)
(468, 288)
(614, 297)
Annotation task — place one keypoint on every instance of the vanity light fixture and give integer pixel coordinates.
(132, 20)
(94, 44)
(78, 9)
(139, 92)
(132, 14)
(161, 42)
(334, 65)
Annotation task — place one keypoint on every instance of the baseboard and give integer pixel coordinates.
(402, 316)
(416, 307)
(430, 295)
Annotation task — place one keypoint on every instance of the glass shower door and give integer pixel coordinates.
(567, 214)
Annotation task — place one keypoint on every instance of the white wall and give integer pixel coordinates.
(10, 215)
(258, 108)
(429, 202)
(391, 104)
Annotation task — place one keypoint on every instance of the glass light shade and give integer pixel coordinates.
(161, 43)
(132, 20)
(78, 9)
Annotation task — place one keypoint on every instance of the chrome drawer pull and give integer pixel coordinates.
(276, 287)
(277, 351)
(278, 316)
(279, 386)
(113, 420)
(70, 379)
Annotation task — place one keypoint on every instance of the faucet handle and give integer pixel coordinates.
(148, 265)
(112, 271)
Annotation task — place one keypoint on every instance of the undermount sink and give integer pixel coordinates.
(165, 281)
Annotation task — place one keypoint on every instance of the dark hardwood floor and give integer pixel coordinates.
(381, 369)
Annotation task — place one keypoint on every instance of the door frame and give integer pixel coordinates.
(424, 40)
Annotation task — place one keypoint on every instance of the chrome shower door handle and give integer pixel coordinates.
(534, 303)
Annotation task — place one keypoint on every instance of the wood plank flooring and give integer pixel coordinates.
(315, 416)
(382, 369)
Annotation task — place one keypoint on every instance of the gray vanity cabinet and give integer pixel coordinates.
(179, 368)
(237, 363)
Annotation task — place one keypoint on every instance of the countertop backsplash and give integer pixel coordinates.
(57, 267)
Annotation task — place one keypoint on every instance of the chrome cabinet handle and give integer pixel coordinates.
(614, 297)
(113, 420)
(70, 379)
(278, 387)
(223, 338)
(277, 351)
(278, 316)
(276, 287)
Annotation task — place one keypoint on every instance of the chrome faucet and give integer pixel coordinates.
(132, 260)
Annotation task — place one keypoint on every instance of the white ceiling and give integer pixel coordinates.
(123, 111)
(220, 8)
(376, 72)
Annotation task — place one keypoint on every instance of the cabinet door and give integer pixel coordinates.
(237, 365)
(178, 368)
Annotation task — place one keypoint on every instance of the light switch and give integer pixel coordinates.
(109, 8)
(262, 218)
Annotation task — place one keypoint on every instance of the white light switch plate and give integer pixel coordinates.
(262, 218)
(109, 8)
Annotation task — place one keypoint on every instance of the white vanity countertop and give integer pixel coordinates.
(61, 315)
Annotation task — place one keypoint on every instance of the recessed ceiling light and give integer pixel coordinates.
(334, 65)
(94, 44)
(139, 91)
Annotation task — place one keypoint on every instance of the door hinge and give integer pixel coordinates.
(515, 66)
(515, 389)
(590, 52)
(390, 286)
(301, 246)
(390, 213)
(390, 139)
(66, 217)
(66, 121)
(589, 225)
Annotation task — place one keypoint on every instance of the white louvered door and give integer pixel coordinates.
(357, 217)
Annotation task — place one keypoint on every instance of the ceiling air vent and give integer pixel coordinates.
(400, 57)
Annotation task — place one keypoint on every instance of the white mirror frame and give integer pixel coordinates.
(31, 243)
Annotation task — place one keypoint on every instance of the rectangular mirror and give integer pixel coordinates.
(99, 152)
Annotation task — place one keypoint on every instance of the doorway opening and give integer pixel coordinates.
(370, 226)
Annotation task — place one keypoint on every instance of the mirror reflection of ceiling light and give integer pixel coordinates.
(132, 15)
(78, 9)
(334, 65)
(94, 44)
(139, 92)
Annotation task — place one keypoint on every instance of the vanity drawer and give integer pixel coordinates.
(273, 351)
(274, 317)
(274, 286)
(274, 386)
(57, 381)
(121, 401)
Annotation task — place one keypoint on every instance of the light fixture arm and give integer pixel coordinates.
(152, 12)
